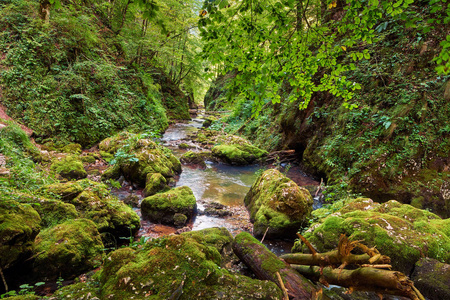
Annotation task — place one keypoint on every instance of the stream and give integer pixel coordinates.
(217, 183)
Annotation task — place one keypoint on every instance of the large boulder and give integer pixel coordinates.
(278, 205)
(19, 225)
(174, 207)
(235, 150)
(93, 201)
(53, 212)
(432, 278)
(194, 158)
(68, 250)
(136, 157)
(177, 267)
(69, 167)
(400, 231)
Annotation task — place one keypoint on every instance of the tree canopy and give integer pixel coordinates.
(299, 47)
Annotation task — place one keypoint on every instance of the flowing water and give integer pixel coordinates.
(217, 183)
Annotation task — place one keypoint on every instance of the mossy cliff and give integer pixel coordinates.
(278, 206)
(400, 231)
(77, 78)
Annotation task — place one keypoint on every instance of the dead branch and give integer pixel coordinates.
(364, 278)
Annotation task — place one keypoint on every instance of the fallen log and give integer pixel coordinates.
(364, 278)
(266, 265)
(341, 256)
(331, 258)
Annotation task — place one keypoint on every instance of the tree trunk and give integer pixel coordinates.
(44, 10)
(266, 265)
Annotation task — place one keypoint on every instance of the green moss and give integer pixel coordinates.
(155, 183)
(167, 266)
(68, 249)
(72, 149)
(82, 290)
(236, 150)
(112, 172)
(19, 225)
(238, 154)
(163, 207)
(15, 138)
(400, 231)
(138, 156)
(93, 201)
(106, 156)
(196, 158)
(70, 167)
(90, 158)
(277, 203)
(53, 212)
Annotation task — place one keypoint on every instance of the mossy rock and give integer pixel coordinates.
(208, 121)
(139, 157)
(106, 156)
(162, 207)
(68, 249)
(432, 278)
(152, 158)
(177, 267)
(276, 202)
(81, 290)
(93, 201)
(397, 230)
(14, 136)
(19, 225)
(67, 191)
(53, 212)
(235, 150)
(155, 183)
(112, 144)
(89, 158)
(219, 238)
(69, 167)
(72, 149)
(193, 158)
(112, 172)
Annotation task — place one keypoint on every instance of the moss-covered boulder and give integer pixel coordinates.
(432, 278)
(53, 212)
(81, 290)
(235, 150)
(219, 238)
(162, 207)
(155, 183)
(93, 201)
(400, 231)
(72, 149)
(177, 267)
(114, 143)
(68, 249)
(194, 158)
(69, 167)
(19, 225)
(136, 157)
(278, 205)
